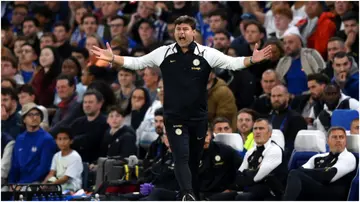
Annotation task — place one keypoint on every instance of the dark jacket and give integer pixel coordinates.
(299, 102)
(156, 151)
(262, 105)
(12, 125)
(244, 88)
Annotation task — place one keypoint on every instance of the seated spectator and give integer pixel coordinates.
(47, 39)
(26, 94)
(66, 167)
(222, 40)
(31, 29)
(19, 41)
(152, 76)
(7, 145)
(27, 63)
(325, 176)
(9, 69)
(94, 40)
(89, 130)
(33, 150)
(218, 20)
(90, 25)
(318, 27)
(346, 75)
(82, 55)
(20, 11)
(333, 99)
(297, 63)
(120, 139)
(10, 118)
(146, 31)
(245, 123)
(221, 100)
(105, 89)
(126, 79)
(282, 18)
(78, 33)
(263, 171)
(285, 119)
(354, 127)
(221, 125)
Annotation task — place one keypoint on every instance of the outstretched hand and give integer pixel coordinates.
(260, 55)
(103, 54)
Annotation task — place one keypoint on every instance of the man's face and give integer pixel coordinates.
(354, 128)
(63, 89)
(60, 34)
(80, 12)
(313, 8)
(46, 41)
(341, 65)
(316, 89)
(292, 45)
(334, 47)
(18, 16)
(17, 48)
(253, 34)
(63, 141)
(184, 34)
(25, 98)
(145, 9)
(281, 22)
(28, 55)
(115, 119)
(8, 103)
(279, 98)
(117, 27)
(33, 118)
(29, 29)
(261, 132)
(245, 123)
(217, 23)
(268, 81)
(221, 41)
(206, 7)
(159, 124)
(145, 31)
(7, 69)
(80, 57)
(90, 26)
(69, 68)
(351, 26)
(91, 106)
(150, 78)
(90, 42)
(341, 7)
(337, 141)
(126, 79)
(331, 97)
(222, 127)
(109, 8)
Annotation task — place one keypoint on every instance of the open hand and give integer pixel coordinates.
(103, 54)
(260, 55)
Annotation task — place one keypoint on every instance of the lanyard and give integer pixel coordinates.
(282, 123)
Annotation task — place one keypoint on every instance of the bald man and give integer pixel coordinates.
(297, 63)
(285, 119)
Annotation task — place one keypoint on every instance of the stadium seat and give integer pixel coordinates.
(278, 137)
(307, 144)
(232, 139)
(343, 117)
(352, 145)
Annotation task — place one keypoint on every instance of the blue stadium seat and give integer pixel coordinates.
(343, 117)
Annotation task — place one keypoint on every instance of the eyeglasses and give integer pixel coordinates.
(33, 114)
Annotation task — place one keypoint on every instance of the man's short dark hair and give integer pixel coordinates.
(336, 38)
(319, 78)
(127, 70)
(11, 60)
(139, 49)
(12, 82)
(32, 19)
(22, 38)
(49, 34)
(266, 120)
(62, 24)
(350, 16)
(97, 94)
(224, 32)
(159, 112)
(252, 113)
(219, 12)
(26, 88)
(70, 79)
(10, 92)
(220, 120)
(89, 15)
(43, 11)
(117, 109)
(342, 54)
(66, 130)
(80, 50)
(186, 20)
(21, 6)
(335, 128)
(123, 18)
(257, 24)
(147, 21)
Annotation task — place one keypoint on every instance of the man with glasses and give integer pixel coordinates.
(33, 150)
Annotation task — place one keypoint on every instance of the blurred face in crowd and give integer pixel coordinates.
(278, 4)
(354, 128)
(109, 8)
(145, 9)
(261, 132)
(150, 78)
(86, 77)
(217, 23)
(60, 34)
(198, 37)
(184, 34)
(231, 52)
(46, 57)
(7, 84)
(313, 8)
(253, 34)
(18, 15)
(117, 27)
(7, 69)
(33, 118)
(91, 105)
(8, 103)
(17, 48)
(292, 45)
(279, 98)
(80, 57)
(28, 55)
(171, 30)
(29, 28)
(159, 124)
(316, 89)
(282, 22)
(351, 26)
(222, 127)
(69, 68)
(146, 32)
(115, 119)
(73, 5)
(89, 25)
(245, 123)
(79, 13)
(160, 91)
(337, 141)
(331, 97)
(268, 81)
(90, 42)
(208, 139)
(341, 7)
(6, 37)
(46, 41)
(64, 90)
(137, 99)
(276, 53)
(221, 41)
(63, 141)
(334, 47)
(206, 7)
(25, 98)
(342, 65)
(126, 79)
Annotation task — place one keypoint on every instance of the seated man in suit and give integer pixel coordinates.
(325, 176)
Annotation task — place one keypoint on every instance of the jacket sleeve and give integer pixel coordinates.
(14, 173)
(6, 159)
(128, 145)
(272, 159)
(152, 59)
(217, 59)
